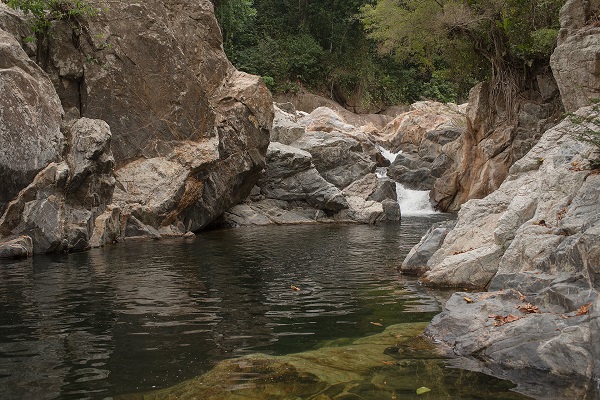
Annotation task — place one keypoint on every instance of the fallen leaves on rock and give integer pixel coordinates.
(462, 251)
(583, 310)
(295, 288)
(561, 214)
(501, 320)
(468, 299)
(528, 308)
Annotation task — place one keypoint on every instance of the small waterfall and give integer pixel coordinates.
(412, 202)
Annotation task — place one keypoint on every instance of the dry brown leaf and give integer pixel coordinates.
(295, 288)
(583, 310)
(521, 296)
(468, 299)
(528, 308)
(462, 251)
(500, 320)
(376, 324)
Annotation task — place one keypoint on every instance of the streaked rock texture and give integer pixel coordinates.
(30, 119)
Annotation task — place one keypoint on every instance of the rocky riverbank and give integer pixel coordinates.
(105, 141)
(533, 245)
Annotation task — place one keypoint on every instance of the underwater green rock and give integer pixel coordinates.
(392, 364)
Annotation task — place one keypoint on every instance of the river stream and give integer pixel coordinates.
(140, 316)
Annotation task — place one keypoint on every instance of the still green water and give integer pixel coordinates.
(137, 317)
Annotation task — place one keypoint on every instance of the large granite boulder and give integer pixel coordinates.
(548, 200)
(323, 172)
(575, 59)
(189, 133)
(291, 176)
(425, 135)
(371, 200)
(425, 128)
(338, 157)
(416, 260)
(30, 120)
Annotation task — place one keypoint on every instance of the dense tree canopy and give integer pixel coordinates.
(513, 37)
(389, 51)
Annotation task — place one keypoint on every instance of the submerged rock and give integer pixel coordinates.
(365, 368)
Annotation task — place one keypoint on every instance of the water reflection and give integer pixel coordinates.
(146, 315)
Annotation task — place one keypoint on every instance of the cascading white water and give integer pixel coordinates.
(412, 202)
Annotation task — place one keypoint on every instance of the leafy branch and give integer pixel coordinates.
(46, 11)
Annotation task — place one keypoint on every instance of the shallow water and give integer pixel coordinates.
(139, 316)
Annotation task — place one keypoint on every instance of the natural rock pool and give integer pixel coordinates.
(148, 319)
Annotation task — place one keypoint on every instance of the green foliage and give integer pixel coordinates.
(236, 18)
(382, 52)
(296, 57)
(511, 36)
(46, 11)
(269, 81)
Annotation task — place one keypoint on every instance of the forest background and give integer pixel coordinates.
(370, 54)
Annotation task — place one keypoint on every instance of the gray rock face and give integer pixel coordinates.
(534, 244)
(147, 68)
(57, 210)
(504, 228)
(302, 181)
(286, 128)
(482, 157)
(290, 176)
(553, 342)
(337, 157)
(426, 134)
(574, 61)
(415, 262)
(363, 208)
(30, 119)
